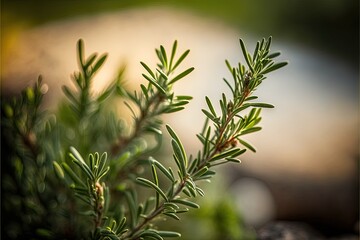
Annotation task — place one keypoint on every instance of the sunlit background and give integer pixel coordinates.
(307, 163)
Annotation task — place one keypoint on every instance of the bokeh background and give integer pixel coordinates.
(307, 164)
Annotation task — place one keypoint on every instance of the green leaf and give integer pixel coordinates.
(130, 108)
(274, 67)
(153, 82)
(77, 159)
(193, 164)
(77, 155)
(122, 224)
(92, 161)
(250, 130)
(207, 140)
(173, 109)
(268, 44)
(274, 55)
(200, 191)
(228, 153)
(69, 94)
(84, 199)
(229, 85)
(240, 152)
(262, 44)
(103, 96)
(200, 172)
(211, 108)
(177, 140)
(139, 212)
(148, 69)
(58, 170)
(90, 60)
(246, 55)
(223, 105)
(156, 180)
(171, 206)
(247, 145)
(72, 175)
(152, 185)
(102, 163)
(163, 54)
(45, 233)
(231, 69)
(132, 207)
(179, 103)
(149, 233)
(256, 51)
(181, 58)
(180, 98)
(80, 47)
(235, 160)
(210, 116)
(187, 192)
(107, 234)
(179, 156)
(190, 182)
(85, 169)
(103, 173)
(201, 138)
(209, 174)
(162, 74)
(191, 189)
(186, 202)
(251, 98)
(144, 91)
(106, 198)
(251, 115)
(181, 75)
(99, 63)
(154, 130)
(80, 190)
(261, 105)
(184, 210)
(172, 215)
(173, 51)
(168, 234)
(163, 169)
(172, 173)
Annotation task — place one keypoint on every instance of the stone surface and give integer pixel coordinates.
(284, 230)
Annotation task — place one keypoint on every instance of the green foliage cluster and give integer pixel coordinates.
(52, 191)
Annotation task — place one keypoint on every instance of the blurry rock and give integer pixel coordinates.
(285, 230)
(288, 231)
(330, 206)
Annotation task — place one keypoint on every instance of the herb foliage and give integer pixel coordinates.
(76, 173)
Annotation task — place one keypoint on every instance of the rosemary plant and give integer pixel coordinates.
(85, 147)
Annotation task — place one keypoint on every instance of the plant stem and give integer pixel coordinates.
(219, 146)
(156, 212)
(152, 104)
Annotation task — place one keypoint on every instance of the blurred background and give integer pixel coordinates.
(306, 168)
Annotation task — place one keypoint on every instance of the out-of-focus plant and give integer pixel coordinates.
(44, 151)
